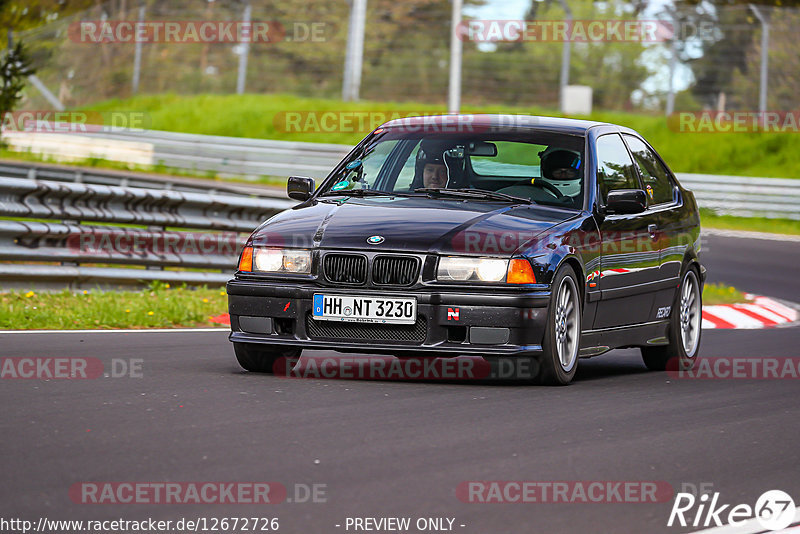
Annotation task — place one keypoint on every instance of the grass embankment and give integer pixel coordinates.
(721, 294)
(158, 306)
(708, 219)
(259, 116)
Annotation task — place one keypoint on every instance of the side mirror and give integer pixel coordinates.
(626, 201)
(300, 188)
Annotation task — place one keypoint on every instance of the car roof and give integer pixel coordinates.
(496, 122)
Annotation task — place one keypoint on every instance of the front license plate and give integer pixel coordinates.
(359, 309)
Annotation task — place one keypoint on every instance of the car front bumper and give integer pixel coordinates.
(478, 322)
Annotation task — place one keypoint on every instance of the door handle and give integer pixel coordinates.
(652, 228)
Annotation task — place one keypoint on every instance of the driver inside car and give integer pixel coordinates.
(436, 168)
(560, 164)
(434, 174)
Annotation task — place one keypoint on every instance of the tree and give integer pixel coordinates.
(721, 57)
(19, 16)
(784, 68)
(528, 72)
(14, 68)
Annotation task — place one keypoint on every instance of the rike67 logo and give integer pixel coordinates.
(774, 510)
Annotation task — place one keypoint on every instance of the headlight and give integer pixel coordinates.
(275, 260)
(460, 268)
(456, 268)
(492, 270)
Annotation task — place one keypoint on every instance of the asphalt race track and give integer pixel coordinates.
(400, 449)
(759, 266)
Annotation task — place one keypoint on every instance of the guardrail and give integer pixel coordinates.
(75, 229)
(745, 197)
(71, 174)
(223, 155)
(732, 195)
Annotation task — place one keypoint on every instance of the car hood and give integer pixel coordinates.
(410, 225)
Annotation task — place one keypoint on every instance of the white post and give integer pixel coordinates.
(563, 79)
(762, 90)
(244, 49)
(673, 60)
(50, 97)
(354, 57)
(456, 49)
(137, 55)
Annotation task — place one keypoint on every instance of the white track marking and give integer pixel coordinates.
(762, 311)
(731, 315)
(771, 310)
(776, 307)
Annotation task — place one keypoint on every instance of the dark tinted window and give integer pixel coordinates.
(614, 166)
(654, 175)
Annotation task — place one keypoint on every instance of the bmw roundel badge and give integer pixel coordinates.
(375, 239)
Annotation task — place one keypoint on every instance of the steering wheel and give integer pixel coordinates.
(550, 188)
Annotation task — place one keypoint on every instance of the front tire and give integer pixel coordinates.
(563, 333)
(685, 328)
(258, 358)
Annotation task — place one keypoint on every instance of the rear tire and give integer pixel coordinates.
(562, 337)
(684, 329)
(258, 358)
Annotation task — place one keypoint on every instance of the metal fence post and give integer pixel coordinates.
(762, 89)
(354, 56)
(456, 48)
(244, 49)
(563, 79)
(46, 93)
(137, 55)
(673, 60)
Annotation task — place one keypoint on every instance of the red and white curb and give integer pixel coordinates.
(758, 312)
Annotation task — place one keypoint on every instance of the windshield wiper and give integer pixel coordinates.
(473, 193)
(363, 193)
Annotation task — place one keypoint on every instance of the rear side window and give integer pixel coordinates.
(614, 166)
(654, 174)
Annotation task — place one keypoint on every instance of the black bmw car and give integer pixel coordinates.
(529, 238)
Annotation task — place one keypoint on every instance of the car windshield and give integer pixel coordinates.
(513, 166)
